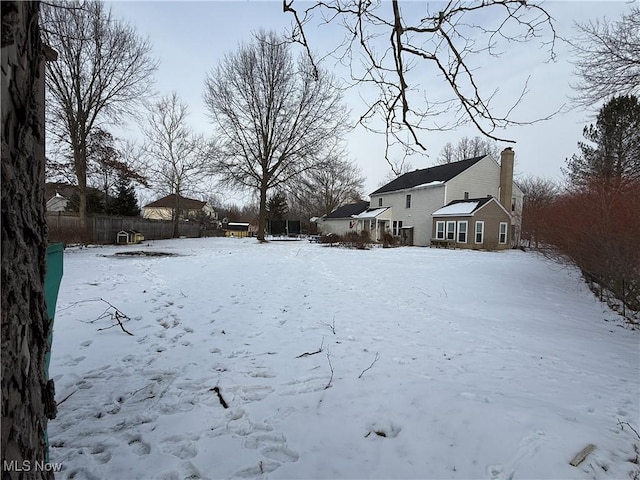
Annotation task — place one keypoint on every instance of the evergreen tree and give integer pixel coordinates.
(95, 202)
(277, 206)
(125, 202)
(615, 157)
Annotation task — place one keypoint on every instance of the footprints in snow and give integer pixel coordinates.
(271, 445)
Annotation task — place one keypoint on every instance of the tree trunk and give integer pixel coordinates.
(27, 397)
(262, 215)
(175, 217)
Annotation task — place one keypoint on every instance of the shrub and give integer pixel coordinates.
(389, 240)
(361, 240)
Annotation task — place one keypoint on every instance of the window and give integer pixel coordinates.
(440, 230)
(502, 238)
(479, 232)
(380, 202)
(466, 195)
(397, 225)
(462, 232)
(373, 224)
(451, 230)
(408, 204)
(513, 204)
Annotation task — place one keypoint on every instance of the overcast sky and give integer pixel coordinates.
(190, 38)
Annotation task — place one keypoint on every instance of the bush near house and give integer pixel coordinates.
(360, 241)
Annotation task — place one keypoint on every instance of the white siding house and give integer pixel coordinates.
(414, 196)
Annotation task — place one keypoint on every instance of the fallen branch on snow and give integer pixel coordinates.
(308, 354)
(370, 366)
(222, 402)
(111, 311)
(622, 424)
(331, 368)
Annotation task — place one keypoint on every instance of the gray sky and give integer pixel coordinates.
(190, 38)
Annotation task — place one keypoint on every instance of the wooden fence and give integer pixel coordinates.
(102, 229)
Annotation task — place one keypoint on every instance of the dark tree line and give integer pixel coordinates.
(594, 222)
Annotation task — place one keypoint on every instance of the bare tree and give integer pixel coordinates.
(27, 394)
(178, 156)
(397, 169)
(104, 70)
(276, 118)
(607, 58)
(107, 165)
(468, 148)
(539, 195)
(320, 191)
(394, 52)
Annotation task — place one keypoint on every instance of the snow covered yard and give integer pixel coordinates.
(433, 364)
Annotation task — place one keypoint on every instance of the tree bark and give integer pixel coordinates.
(27, 397)
(262, 217)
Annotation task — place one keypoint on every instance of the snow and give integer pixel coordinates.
(436, 183)
(372, 213)
(443, 364)
(461, 208)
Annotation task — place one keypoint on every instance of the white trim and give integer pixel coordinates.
(481, 232)
(449, 222)
(444, 229)
(466, 231)
(506, 232)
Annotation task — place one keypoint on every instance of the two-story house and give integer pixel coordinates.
(187, 208)
(415, 196)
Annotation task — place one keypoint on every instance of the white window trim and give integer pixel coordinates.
(450, 222)
(444, 229)
(480, 224)
(466, 231)
(500, 234)
(407, 201)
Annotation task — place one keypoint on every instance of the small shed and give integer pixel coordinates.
(129, 237)
(237, 229)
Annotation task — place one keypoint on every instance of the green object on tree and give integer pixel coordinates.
(52, 280)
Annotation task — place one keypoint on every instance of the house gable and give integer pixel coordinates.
(482, 179)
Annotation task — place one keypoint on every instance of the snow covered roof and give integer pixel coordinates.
(431, 184)
(428, 176)
(463, 207)
(371, 213)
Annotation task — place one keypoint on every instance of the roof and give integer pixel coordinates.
(237, 226)
(170, 201)
(371, 212)
(462, 207)
(429, 176)
(348, 211)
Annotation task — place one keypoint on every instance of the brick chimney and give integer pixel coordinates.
(506, 177)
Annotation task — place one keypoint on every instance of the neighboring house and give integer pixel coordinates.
(188, 208)
(57, 203)
(356, 217)
(477, 223)
(57, 196)
(413, 197)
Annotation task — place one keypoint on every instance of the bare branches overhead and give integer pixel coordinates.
(423, 66)
(608, 58)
